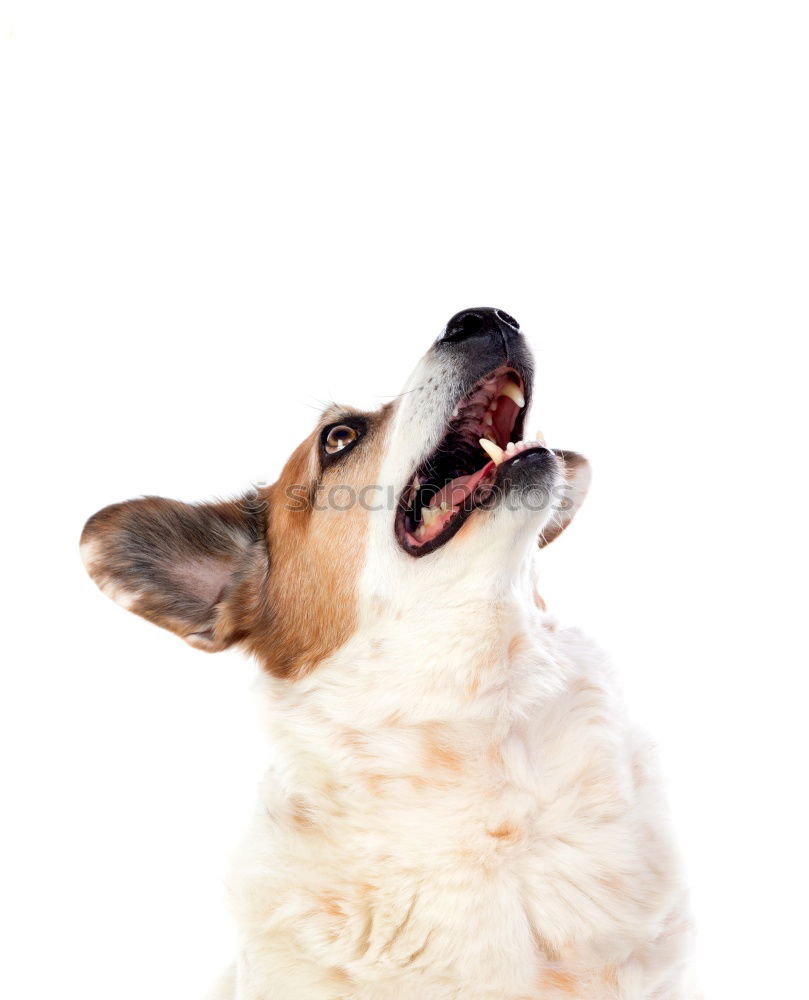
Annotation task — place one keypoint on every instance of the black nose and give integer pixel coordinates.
(482, 322)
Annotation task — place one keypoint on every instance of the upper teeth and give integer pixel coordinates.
(510, 390)
(494, 452)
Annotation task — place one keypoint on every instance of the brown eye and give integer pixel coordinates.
(338, 438)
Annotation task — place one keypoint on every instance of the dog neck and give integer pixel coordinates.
(479, 654)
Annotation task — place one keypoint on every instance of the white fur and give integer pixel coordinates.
(458, 807)
(91, 555)
(350, 746)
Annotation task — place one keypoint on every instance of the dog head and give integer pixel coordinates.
(436, 496)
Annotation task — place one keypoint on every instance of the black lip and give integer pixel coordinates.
(480, 368)
(521, 471)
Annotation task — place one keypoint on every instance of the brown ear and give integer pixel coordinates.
(569, 497)
(194, 569)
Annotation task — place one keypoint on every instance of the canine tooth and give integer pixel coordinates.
(428, 515)
(494, 452)
(540, 437)
(512, 392)
(488, 420)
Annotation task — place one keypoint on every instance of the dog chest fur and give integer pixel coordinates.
(508, 850)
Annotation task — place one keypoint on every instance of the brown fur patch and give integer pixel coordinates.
(316, 552)
(609, 975)
(331, 905)
(613, 884)
(438, 752)
(356, 741)
(550, 952)
(505, 831)
(301, 813)
(375, 783)
(517, 645)
(562, 982)
(341, 977)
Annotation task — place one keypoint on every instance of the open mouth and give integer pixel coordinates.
(483, 434)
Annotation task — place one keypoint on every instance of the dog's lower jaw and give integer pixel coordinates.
(463, 814)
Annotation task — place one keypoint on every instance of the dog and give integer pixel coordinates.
(458, 807)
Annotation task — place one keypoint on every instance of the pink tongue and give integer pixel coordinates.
(453, 494)
(457, 490)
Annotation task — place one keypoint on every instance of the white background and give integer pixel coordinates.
(216, 216)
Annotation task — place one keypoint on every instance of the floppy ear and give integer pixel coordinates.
(195, 569)
(569, 497)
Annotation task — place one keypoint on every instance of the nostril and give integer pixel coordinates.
(464, 325)
(508, 320)
(471, 324)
